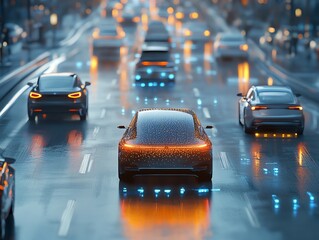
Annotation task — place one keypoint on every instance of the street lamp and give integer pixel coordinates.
(54, 22)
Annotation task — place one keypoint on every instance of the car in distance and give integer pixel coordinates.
(107, 40)
(155, 66)
(165, 141)
(270, 107)
(196, 31)
(230, 45)
(56, 93)
(7, 189)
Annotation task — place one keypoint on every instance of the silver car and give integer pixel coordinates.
(270, 107)
(230, 45)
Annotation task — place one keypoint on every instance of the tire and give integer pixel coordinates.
(11, 211)
(239, 116)
(31, 118)
(246, 128)
(84, 115)
(124, 177)
(300, 131)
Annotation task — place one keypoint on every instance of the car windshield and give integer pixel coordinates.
(153, 56)
(276, 97)
(108, 32)
(49, 83)
(165, 129)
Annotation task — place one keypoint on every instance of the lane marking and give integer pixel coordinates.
(103, 113)
(90, 165)
(13, 99)
(85, 163)
(196, 92)
(251, 213)
(96, 131)
(5, 143)
(108, 96)
(206, 112)
(113, 82)
(66, 218)
(224, 160)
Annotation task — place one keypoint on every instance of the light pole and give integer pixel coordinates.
(2, 19)
(54, 23)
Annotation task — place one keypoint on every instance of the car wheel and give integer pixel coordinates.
(205, 177)
(12, 200)
(31, 118)
(246, 128)
(239, 116)
(83, 115)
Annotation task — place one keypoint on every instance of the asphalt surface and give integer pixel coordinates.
(66, 170)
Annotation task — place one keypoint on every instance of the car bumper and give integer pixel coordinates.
(56, 107)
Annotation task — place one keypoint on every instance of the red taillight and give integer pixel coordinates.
(295, 108)
(258, 108)
(75, 95)
(35, 95)
(194, 146)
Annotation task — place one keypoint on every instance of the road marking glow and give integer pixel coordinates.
(85, 163)
(66, 218)
(13, 99)
(90, 165)
(196, 92)
(224, 160)
(103, 112)
(206, 112)
(96, 131)
(250, 213)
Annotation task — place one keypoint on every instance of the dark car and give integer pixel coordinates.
(7, 190)
(58, 93)
(155, 67)
(270, 107)
(165, 141)
(157, 32)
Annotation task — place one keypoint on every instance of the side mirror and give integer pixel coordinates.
(209, 127)
(121, 127)
(298, 95)
(239, 95)
(87, 83)
(9, 160)
(30, 84)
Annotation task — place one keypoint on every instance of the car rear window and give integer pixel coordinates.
(276, 97)
(165, 129)
(155, 56)
(50, 83)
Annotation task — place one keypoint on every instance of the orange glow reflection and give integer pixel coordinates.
(75, 139)
(243, 77)
(256, 156)
(37, 145)
(176, 219)
(302, 171)
(187, 56)
(208, 49)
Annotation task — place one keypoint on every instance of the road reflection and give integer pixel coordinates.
(169, 208)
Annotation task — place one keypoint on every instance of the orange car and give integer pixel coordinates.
(165, 141)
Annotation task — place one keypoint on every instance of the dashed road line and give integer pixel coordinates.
(206, 112)
(108, 97)
(90, 165)
(96, 131)
(113, 82)
(196, 92)
(85, 163)
(66, 218)
(103, 112)
(224, 160)
(251, 213)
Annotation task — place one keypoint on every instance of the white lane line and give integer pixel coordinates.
(206, 112)
(85, 163)
(224, 160)
(251, 213)
(108, 97)
(113, 82)
(96, 131)
(103, 113)
(4, 144)
(66, 218)
(54, 64)
(13, 99)
(196, 92)
(90, 165)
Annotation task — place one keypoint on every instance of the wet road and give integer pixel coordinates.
(66, 170)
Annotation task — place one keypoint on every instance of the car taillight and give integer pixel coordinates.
(295, 108)
(35, 95)
(244, 47)
(254, 108)
(75, 95)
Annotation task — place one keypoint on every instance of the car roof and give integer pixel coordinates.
(272, 88)
(63, 74)
(183, 114)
